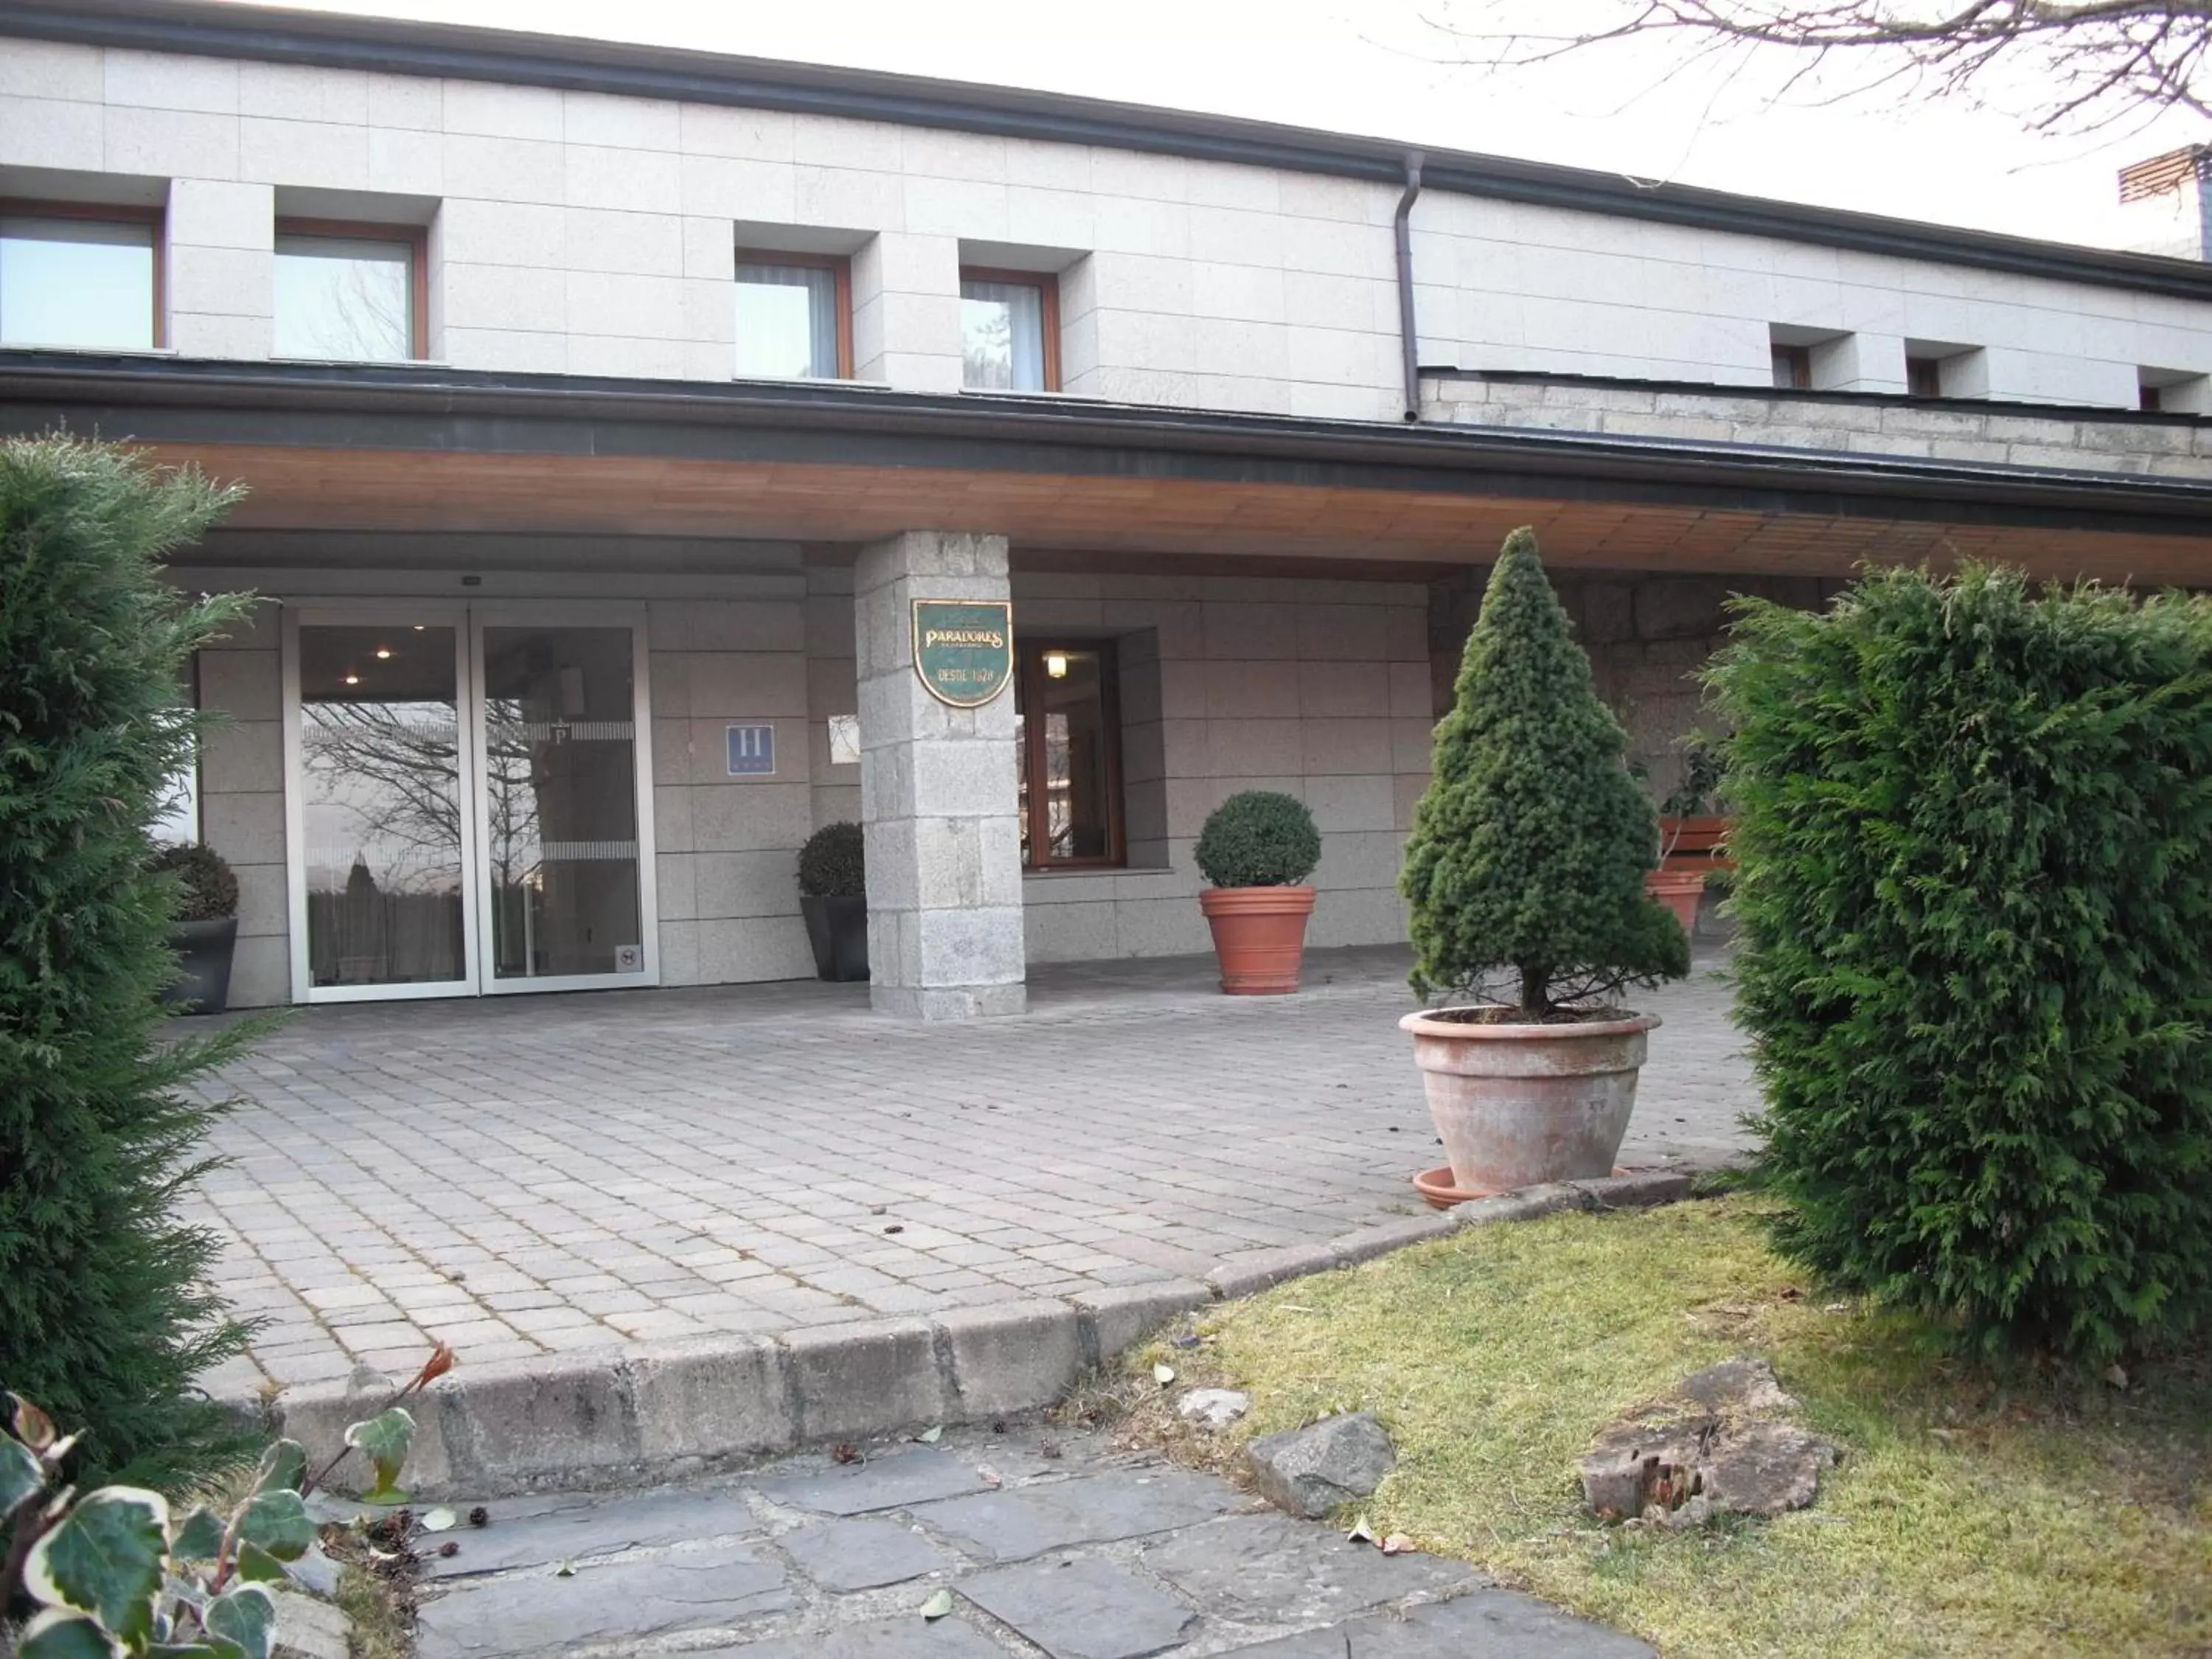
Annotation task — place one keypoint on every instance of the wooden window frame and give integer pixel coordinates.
(1800, 359)
(1923, 377)
(415, 239)
(114, 214)
(1028, 665)
(1047, 284)
(841, 269)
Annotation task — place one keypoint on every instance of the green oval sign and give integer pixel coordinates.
(963, 649)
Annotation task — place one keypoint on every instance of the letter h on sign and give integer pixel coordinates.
(753, 751)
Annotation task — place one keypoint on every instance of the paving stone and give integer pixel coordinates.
(1082, 1609)
(537, 1612)
(851, 1555)
(1012, 1526)
(893, 1480)
(1271, 1570)
(524, 1534)
(1486, 1624)
(907, 1637)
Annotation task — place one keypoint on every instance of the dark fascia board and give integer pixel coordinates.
(472, 53)
(447, 411)
(1815, 394)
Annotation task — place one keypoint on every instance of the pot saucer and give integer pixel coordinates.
(1436, 1186)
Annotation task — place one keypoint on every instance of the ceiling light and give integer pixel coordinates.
(1055, 664)
(353, 680)
(383, 652)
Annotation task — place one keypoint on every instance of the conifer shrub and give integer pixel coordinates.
(1973, 829)
(1529, 851)
(105, 1313)
(207, 887)
(1258, 838)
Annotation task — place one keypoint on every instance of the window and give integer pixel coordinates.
(2151, 399)
(349, 293)
(794, 317)
(1069, 715)
(1008, 330)
(1923, 377)
(1793, 368)
(72, 276)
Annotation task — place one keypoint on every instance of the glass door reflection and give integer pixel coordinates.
(559, 793)
(381, 780)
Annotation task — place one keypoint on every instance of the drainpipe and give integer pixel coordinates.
(1409, 337)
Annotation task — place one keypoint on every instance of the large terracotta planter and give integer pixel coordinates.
(1706, 833)
(1517, 1105)
(1259, 935)
(1680, 892)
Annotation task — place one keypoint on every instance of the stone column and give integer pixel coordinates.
(938, 794)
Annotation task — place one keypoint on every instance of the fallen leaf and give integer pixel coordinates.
(2115, 1376)
(989, 1476)
(1184, 1341)
(1164, 1374)
(1836, 1307)
(566, 1570)
(1398, 1543)
(938, 1605)
(931, 1436)
(1361, 1532)
(441, 1519)
(845, 1452)
(1791, 1293)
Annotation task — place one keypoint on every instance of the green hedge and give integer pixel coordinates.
(1258, 838)
(833, 862)
(1974, 833)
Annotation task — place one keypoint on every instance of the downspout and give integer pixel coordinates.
(1409, 338)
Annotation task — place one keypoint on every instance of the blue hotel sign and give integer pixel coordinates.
(753, 751)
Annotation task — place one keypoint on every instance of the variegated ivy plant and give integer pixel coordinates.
(121, 1572)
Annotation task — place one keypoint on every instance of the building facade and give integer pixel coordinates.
(605, 413)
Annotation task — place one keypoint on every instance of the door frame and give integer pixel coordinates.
(468, 619)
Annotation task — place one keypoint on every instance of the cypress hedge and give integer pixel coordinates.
(105, 1313)
(1974, 825)
(1530, 845)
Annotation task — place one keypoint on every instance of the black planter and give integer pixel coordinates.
(205, 948)
(838, 929)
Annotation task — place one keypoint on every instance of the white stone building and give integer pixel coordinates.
(603, 409)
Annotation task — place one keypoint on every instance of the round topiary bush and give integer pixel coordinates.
(1973, 839)
(834, 863)
(1530, 846)
(207, 891)
(1259, 838)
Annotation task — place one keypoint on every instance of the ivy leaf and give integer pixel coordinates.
(938, 1605)
(283, 1465)
(247, 1616)
(199, 1537)
(31, 1426)
(20, 1474)
(57, 1634)
(207, 1647)
(385, 1440)
(278, 1523)
(257, 1566)
(105, 1557)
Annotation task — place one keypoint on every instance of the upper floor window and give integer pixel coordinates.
(349, 293)
(1008, 330)
(1069, 725)
(1793, 368)
(1923, 377)
(794, 317)
(72, 275)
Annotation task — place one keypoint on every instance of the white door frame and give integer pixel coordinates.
(468, 620)
(554, 613)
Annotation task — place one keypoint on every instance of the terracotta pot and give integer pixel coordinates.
(1260, 935)
(1680, 892)
(1517, 1105)
(1705, 832)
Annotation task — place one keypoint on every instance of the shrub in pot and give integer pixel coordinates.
(206, 931)
(1257, 849)
(833, 896)
(1524, 879)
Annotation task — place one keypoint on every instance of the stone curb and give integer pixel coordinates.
(658, 1411)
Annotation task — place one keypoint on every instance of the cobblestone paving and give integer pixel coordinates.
(518, 1175)
(1049, 1544)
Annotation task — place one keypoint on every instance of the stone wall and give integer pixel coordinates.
(242, 799)
(2167, 446)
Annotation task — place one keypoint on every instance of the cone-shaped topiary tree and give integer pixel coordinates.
(1530, 846)
(105, 1313)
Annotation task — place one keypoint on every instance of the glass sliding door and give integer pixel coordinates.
(468, 806)
(564, 886)
(380, 806)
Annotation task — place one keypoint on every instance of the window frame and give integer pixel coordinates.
(840, 267)
(1800, 360)
(1046, 282)
(415, 239)
(154, 218)
(1029, 669)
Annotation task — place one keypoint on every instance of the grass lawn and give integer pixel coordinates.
(1974, 1514)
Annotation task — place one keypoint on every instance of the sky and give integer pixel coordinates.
(1386, 68)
